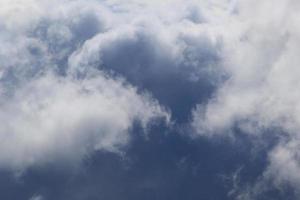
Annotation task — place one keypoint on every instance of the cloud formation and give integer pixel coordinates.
(47, 112)
(261, 91)
(61, 117)
(75, 75)
(61, 89)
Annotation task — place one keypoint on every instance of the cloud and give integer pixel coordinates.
(53, 117)
(140, 41)
(174, 55)
(49, 113)
(261, 92)
(36, 197)
(75, 75)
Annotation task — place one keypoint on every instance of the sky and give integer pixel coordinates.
(152, 100)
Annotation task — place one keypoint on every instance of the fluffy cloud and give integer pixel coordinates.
(48, 112)
(61, 63)
(261, 92)
(52, 117)
(174, 55)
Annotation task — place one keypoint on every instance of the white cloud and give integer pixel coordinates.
(52, 117)
(262, 91)
(57, 103)
(262, 65)
(48, 114)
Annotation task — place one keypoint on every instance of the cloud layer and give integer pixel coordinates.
(76, 75)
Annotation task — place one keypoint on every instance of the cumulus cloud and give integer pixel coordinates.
(175, 55)
(261, 92)
(53, 117)
(49, 113)
(60, 95)
(61, 63)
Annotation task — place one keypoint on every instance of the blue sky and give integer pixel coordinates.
(139, 99)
